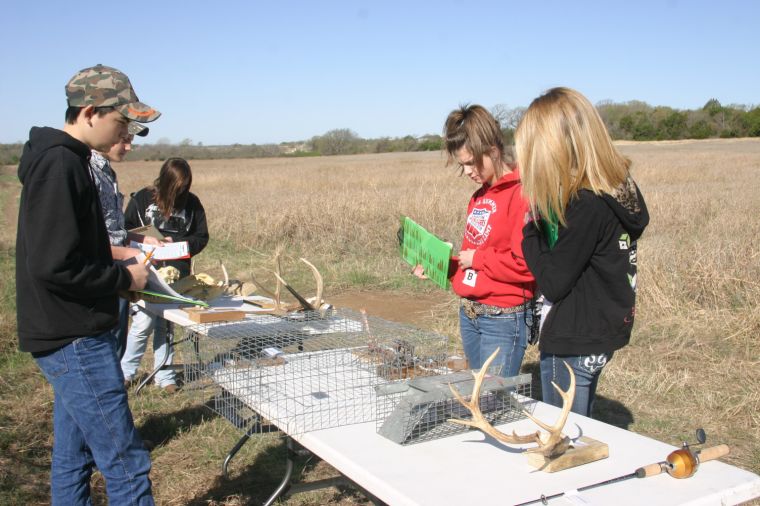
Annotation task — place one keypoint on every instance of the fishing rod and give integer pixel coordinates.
(681, 463)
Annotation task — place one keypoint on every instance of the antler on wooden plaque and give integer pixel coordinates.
(552, 443)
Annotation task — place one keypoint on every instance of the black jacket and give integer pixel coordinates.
(66, 280)
(590, 273)
(186, 224)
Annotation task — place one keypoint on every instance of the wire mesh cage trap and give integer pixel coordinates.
(419, 409)
(308, 370)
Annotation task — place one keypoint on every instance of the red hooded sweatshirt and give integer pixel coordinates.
(499, 275)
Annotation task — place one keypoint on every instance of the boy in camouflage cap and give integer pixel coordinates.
(103, 86)
(66, 291)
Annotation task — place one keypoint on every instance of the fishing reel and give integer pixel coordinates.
(684, 462)
(681, 463)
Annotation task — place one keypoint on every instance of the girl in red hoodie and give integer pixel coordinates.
(491, 276)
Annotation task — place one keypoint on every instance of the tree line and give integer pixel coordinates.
(634, 120)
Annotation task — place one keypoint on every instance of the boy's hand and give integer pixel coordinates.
(139, 273)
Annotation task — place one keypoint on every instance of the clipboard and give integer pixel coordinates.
(148, 231)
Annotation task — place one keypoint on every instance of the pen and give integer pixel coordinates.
(147, 257)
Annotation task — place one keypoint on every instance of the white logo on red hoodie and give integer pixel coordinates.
(478, 228)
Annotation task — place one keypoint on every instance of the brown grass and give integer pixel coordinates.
(694, 360)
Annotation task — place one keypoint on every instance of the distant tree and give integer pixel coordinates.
(186, 142)
(701, 129)
(340, 141)
(712, 107)
(430, 143)
(643, 129)
(672, 126)
(752, 121)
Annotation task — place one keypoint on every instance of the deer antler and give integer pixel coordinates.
(277, 269)
(226, 276)
(320, 284)
(551, 444)
(262, 288)
(555, 443)
(275, 296)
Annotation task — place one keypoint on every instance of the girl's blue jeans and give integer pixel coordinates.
(143, 325)
(484, 333)
(93, 426)
(587, 369)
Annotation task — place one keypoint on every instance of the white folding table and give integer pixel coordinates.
(471, 468)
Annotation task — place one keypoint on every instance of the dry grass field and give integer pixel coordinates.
(694, 359)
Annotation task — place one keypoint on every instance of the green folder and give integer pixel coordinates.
(171, 298)
(420, 247)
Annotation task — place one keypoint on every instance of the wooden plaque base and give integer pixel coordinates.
(583, 451)
(200, 315)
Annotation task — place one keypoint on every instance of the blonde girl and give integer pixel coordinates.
(573, 174)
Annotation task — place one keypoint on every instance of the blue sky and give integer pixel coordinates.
(265, 72)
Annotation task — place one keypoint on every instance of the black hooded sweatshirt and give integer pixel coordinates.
(590, 273)
(66, 280)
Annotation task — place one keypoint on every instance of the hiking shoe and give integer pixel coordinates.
(170, 389)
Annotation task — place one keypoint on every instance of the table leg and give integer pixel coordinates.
(285, 482)
(243, 440)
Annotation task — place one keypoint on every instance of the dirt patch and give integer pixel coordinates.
(416, 309)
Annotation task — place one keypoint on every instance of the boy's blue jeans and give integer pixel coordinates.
(119, 332)
(93, 425)
(483, 334)
(587, 369)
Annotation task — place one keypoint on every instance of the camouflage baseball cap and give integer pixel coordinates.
(137, 129)
(103, 86)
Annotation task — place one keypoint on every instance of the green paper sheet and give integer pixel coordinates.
(420, 247)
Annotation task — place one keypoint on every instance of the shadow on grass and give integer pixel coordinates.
(612, 412)
(256, 482)
(605, 410)
(162, 427)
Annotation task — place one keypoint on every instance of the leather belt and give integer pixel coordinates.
(473, 309)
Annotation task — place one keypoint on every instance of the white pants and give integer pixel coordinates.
(143, 323)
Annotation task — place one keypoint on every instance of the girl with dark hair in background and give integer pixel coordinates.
(179, 215)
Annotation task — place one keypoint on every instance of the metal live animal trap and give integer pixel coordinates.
(419, 409)
(312, 370)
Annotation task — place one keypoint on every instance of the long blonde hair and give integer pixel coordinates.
(562, 147)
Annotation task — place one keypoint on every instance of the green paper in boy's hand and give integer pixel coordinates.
(420, 247)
